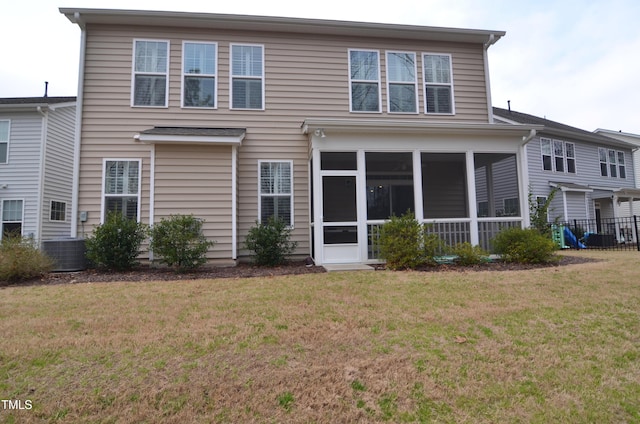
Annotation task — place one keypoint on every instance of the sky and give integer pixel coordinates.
(574, 62)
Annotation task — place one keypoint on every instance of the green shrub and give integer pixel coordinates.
(467, 254)
(524, 246)
(116, 243)
(402, 242)
(270, 242)
(179, 242)
(21, 260)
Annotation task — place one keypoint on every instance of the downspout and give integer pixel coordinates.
(43, 154)
(234, 203)
(524, 177)
(491, 41)
(76, 145)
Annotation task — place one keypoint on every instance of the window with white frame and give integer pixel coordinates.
(121, 191)
(402, 85)
(622, 169)
(199, 69)
(276, 191)
(247, 76)
(613, 168)
(558, 156)
(58, 211)
(438, 83)
(150, 73)
(604, 166)
(12, 216)
(364, 80)
(4, 141)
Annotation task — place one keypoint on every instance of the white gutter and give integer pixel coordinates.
(234, 201)
(76, 145)
(487, 79)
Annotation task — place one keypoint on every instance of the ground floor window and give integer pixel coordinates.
(444, 185)
(12, 216)
(58, 211)
(121, 191)
(276, 190)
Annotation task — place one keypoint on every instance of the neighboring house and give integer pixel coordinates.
(331, 126)
(594, 173)
(632, 208)
(36, 166)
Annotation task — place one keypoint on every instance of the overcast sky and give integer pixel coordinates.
(575, 62)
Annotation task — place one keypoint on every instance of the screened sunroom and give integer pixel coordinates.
(466, 185)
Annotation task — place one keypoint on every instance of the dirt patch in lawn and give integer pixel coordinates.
(246, 270)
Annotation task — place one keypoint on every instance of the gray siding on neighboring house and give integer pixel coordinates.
(306, 76)
(587, 174)
(58, 170)
(21, 174)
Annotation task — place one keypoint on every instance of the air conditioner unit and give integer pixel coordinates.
(68, 254)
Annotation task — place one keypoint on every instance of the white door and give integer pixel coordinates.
(340, 218)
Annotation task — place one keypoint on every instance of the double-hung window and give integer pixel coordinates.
(438, 84)
(558, 156)
(121, 187)
(402, 85)
(364, 80)
(12, 215)
(4, 141)
(276, 195)
(247, 76)
(612, 163)
(150, 73)
(199, 82)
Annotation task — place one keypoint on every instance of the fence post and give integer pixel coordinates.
(635, 224)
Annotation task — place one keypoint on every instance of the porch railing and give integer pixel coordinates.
(450, 231)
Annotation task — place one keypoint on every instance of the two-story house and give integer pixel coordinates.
(331, 126)
(593, 173)
(36, 166)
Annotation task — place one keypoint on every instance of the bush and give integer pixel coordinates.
(524, 246)
(21, 260)
(467, 254)
(179, 242)
(270, 241)
(402, 242)
(116, 243)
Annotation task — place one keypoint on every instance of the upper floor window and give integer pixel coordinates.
(364, 80)
(121, 191)
(150, 73)
(4, 141)
(558, 156)
(247, 76)
(199, 65)
(276, 195)
(58, 211)
(612, 163)
(438, 83)
(401, 82)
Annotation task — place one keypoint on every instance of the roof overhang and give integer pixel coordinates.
(164, 19)
(311, 125)
(571, 187)
(192, 135)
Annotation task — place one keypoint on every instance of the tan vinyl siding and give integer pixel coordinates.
(305, 77)
(196, 180)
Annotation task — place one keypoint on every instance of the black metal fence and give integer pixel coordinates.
(604, 234)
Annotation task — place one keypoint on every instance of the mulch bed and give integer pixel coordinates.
(245, 270)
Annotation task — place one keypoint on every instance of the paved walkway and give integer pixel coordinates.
(347, 267)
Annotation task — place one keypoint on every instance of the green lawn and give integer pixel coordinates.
(558, 344)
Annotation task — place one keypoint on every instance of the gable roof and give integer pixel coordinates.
(82, 17)
(557, 129)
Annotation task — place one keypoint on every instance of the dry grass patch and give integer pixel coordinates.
(547, 345)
